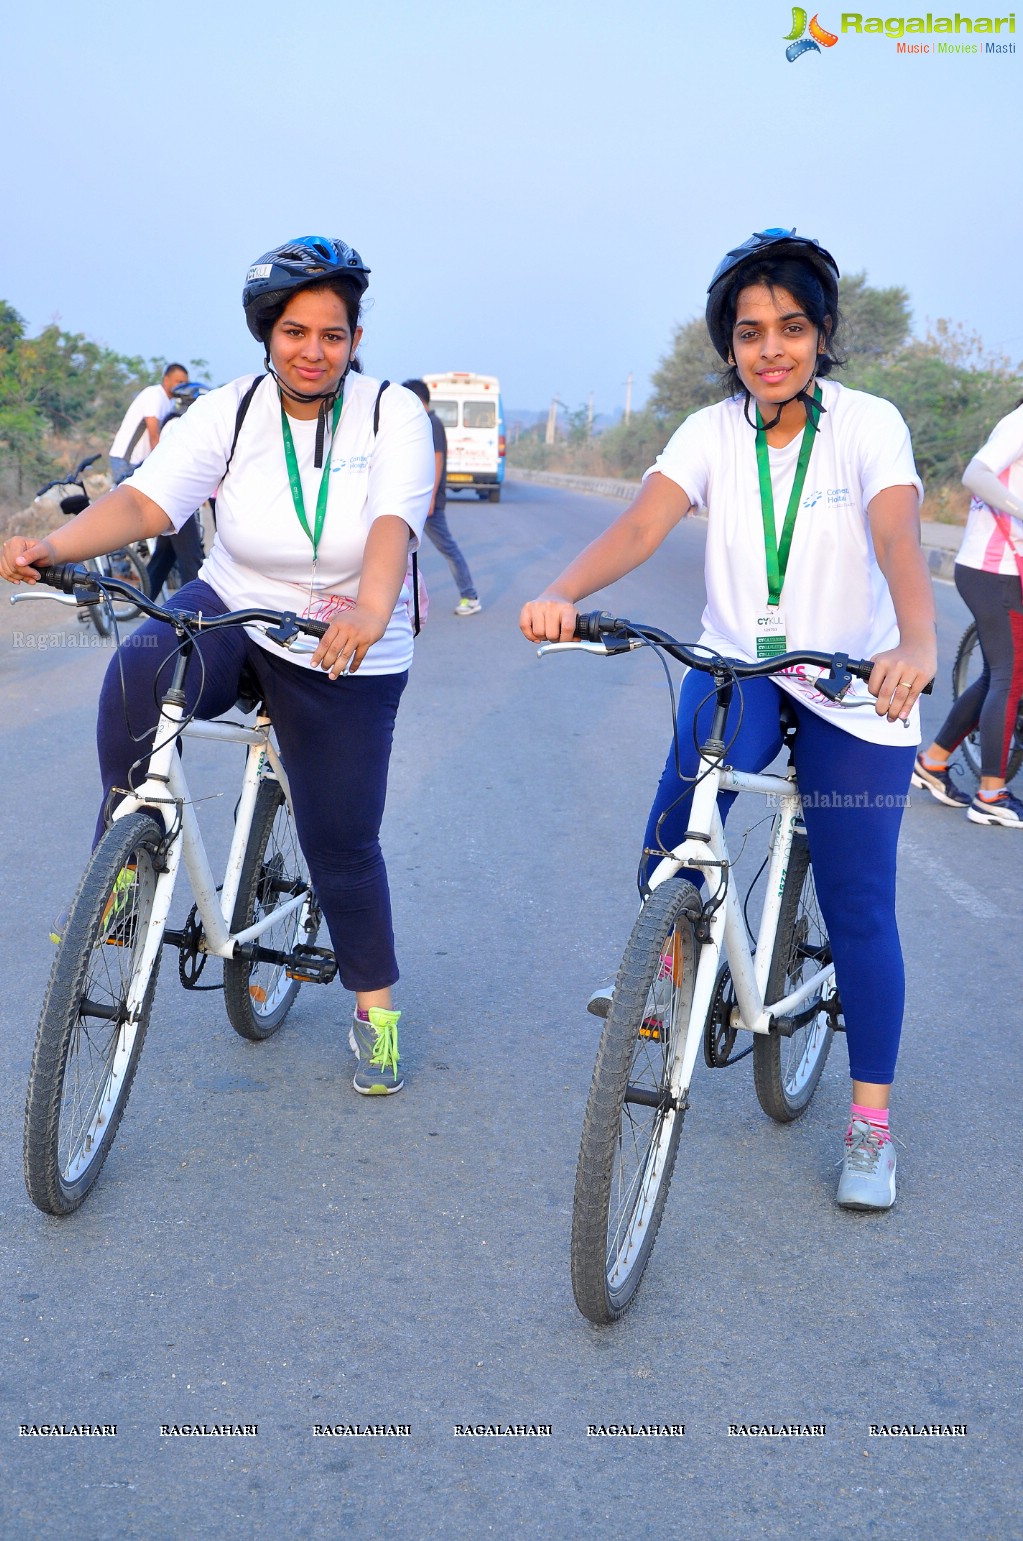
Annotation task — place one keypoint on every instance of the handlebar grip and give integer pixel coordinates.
(64, 576)
(591, 626)
(315, 628)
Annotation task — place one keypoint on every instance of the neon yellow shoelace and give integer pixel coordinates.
(385, 1047)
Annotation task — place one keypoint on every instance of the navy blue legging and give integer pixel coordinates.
(853, 796)
(335, 741)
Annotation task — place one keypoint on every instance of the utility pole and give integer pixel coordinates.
(628, 397)
(552, 422)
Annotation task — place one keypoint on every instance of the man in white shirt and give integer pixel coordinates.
(140, 427)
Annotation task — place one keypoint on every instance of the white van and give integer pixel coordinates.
(470, 408)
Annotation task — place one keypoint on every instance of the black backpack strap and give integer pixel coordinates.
(376, 407)
(243, 407)
(417, 624)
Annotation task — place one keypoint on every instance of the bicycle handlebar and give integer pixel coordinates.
(69, 578)
(71, 480)
(619, 635)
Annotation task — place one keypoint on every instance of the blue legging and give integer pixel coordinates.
(853, 795)
(335, 741)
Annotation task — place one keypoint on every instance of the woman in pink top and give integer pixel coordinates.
(989, 569)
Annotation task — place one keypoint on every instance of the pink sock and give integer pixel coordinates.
(877, 1118)
(363, 1016)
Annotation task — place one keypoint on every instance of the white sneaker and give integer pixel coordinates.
(868, 1171)
(468, 607)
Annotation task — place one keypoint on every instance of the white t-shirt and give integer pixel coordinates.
(834, 598)
(151, 402)
(992, 539)
(261, 556)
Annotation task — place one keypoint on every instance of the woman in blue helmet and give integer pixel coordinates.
(323, 485)
(792, 453)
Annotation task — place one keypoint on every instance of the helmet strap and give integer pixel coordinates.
(325, 398)
(814, 408)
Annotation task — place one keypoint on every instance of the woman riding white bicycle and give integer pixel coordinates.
(812, 544)
(322, 484)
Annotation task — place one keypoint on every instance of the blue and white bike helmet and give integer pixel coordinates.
(308, 259)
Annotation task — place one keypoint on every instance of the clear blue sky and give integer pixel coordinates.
(542, 190)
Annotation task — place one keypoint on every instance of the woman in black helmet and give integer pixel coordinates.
(812, 543)
(323, 483)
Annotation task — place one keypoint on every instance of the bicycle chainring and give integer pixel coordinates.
(191, 958)
(718, 1034)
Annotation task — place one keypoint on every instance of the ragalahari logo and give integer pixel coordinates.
(799, 43)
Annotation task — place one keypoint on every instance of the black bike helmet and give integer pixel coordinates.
(780, 243)
(309, 259)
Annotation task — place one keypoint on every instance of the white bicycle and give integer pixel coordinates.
(263, 920)
(689, 983)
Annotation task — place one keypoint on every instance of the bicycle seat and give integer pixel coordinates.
(250, 692)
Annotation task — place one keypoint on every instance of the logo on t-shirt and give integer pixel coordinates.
(353, 463)
(834, 497)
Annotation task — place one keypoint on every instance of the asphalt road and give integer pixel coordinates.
(265, 1247)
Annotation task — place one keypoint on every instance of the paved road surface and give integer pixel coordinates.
(267, 1248)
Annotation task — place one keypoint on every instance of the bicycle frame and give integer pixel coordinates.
(705, 850)
(164, 794)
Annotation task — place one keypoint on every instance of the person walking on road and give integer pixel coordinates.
(139, 432)
(437, 525)
(813, 543)
(325, 483)
(989, 576)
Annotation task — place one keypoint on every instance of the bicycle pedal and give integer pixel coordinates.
(312, 965)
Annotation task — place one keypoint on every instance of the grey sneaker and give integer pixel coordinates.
(868, 1171)
(1003, 809)
(939, 783)
(376, 1044)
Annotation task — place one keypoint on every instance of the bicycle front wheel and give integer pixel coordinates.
(786, 1070)
(968, 666)
(258, 996)
(633, 1119)
(94, 1019)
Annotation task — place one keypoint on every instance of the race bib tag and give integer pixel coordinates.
(770, 632)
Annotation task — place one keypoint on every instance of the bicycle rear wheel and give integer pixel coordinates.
(633, 1122)
(126, 565)
(968, 666)
(258, 996)
(98, 613)
(786, 1070)
(94, 1019)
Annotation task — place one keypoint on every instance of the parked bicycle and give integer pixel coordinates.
(693, 977)
(263, 920)
(968, 667)
(126, 565)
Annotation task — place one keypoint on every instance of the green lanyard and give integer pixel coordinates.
(296, 481)
(778, 556)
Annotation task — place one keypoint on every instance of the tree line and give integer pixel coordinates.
(950, 390)
(61, 398)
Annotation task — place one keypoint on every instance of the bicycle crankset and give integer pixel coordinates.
(718, 1034)
(191, 958)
